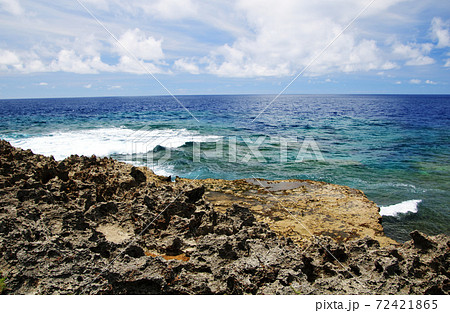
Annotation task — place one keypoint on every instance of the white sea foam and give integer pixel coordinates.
(400, 208)
(107, 141)
(163, 170)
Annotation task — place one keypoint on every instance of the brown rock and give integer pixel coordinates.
(96, 230)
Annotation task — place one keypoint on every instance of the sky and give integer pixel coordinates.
(84, 48)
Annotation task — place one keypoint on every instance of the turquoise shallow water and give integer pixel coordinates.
(394, 148)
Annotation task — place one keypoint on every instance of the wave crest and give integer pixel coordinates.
(409, 206)
(107, 141)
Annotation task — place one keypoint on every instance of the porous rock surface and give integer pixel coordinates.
(87, 225)
(300, 209)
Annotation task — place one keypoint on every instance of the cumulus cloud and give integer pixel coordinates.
(255, 38)
(9, 58)
(287, 35)
(84, 56)
(141, 46)
(414, 54)
(22, 62)
(440, 31)
(350, 56)
(70, 61)
(415, 81)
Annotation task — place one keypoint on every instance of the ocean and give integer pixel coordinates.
(395, 148)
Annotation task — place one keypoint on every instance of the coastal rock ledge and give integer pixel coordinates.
(89, 225)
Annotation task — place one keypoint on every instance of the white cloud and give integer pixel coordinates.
(440, 32)
(362, 56)
(430, 82)
(69, 61)
(9, 58)
(420, 60)
(25, 63)
(141, 46)
(286, 35)
(83, 57)
(185, 65)
(33, 65)
(130, 65)
(88, 86)
(11, 6)
(43, 84)
(415, 81)
(414, 54)
(241, 38)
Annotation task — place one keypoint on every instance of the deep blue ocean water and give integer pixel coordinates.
(395, 148)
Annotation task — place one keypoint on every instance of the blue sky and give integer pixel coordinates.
(57, 49)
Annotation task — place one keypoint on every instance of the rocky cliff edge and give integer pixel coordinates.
(89, 225)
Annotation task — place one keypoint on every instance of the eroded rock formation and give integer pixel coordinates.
(88, 225)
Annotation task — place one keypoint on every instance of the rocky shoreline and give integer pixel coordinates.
(89, 225)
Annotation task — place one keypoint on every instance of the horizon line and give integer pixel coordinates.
(229, 94)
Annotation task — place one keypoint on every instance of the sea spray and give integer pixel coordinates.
(409, 206)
